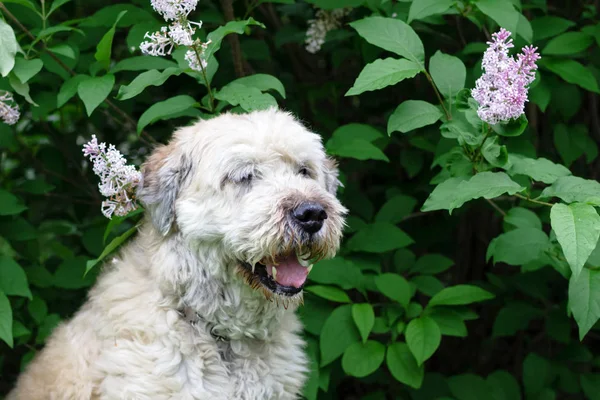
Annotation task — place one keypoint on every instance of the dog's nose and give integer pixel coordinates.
(310, 216)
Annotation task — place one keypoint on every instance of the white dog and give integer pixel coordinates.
(201, 304)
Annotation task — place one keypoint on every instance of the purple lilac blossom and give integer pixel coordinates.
(502, 89)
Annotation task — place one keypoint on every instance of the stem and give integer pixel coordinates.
(478, 151)
(437, 93)
(496, 207)
(203, 71)
(520, 196)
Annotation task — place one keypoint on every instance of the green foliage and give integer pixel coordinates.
(396, 314)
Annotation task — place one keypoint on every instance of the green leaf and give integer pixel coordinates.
(423, 337)
(568, 43)
(8, 49)
(548, 26)
(432, 264)
(537, 374)
(46, 328)
(572, 72)
(13, 281)
(26, 3)
(573, 189)
(395, 209)
(523, 218)
(71, 274)
(493, 153)
(577, 228)
(357, 131)
(455, 192)
(69, 89)
(337, 334)
(262, 82)
(24, 69)
(330, 293)
(395, 287)
(539, 169)
(9, 204)
(249, 98)
(164, 110)
(55, 5)
(448, 72)
(142, 63)
(20, 88)
(468, 387)
(355, 148)
(449, 322)
(392, 35)
(112, 246)
(584, 299)
(403, 366)
(145, 79)
(216, 37)
(104, 47)
(364, 318)
(379, 237)
(382, 73)
(501, 11)
(421, 9)
(519, 246)
(337, 271)
(37, 309)
(460, 295)
(512, 128)
(94, 91)
(413, 114)
(427, 285)
(116, 221)
(590, 383)
(504, 386)
(6, 320)
(333, 4)
(513, 318)
(362, 359)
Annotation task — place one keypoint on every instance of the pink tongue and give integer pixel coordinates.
(289, 272)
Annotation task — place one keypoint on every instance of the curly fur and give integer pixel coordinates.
(204, 217)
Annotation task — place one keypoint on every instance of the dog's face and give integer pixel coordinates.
(256, 189)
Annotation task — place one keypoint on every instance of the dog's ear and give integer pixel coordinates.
(163, 174)
(331, 175)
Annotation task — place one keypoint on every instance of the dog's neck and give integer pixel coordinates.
(207, 284)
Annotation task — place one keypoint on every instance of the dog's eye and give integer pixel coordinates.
(246, 179)
(304, 172)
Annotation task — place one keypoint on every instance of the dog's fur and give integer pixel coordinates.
(174, 316)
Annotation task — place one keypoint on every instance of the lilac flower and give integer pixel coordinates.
(117, 180)
(317, 28)
(502, 89)
(179, 33)
(9, 111)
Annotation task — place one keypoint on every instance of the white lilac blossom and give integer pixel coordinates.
(118, 180)
(502, 89)
(324, 22)
(179, 33)
(9, 111)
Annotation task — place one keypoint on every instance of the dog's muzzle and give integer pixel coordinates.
(284, 276)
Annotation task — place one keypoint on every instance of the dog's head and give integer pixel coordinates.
(257, 190)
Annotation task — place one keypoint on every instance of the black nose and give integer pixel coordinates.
(310, 216)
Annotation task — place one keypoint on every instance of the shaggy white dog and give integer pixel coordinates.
(201, 304)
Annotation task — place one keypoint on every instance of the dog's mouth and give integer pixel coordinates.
(284, 275)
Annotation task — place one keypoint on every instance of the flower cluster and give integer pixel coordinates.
(324, 22)
(502, 89)
(9, 111)
(117, 180)
(179, 33)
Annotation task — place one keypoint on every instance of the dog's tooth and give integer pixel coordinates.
(253, 267)
(274, 273)
(304, 262)
(309, 268)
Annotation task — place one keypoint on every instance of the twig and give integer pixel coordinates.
(206, 81)
(496, 207)
(129, 119)
(437, 93)
(520, 196)
(234, 41)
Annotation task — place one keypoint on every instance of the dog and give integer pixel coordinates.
(200, 304)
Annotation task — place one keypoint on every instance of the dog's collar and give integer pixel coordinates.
(192, 317)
